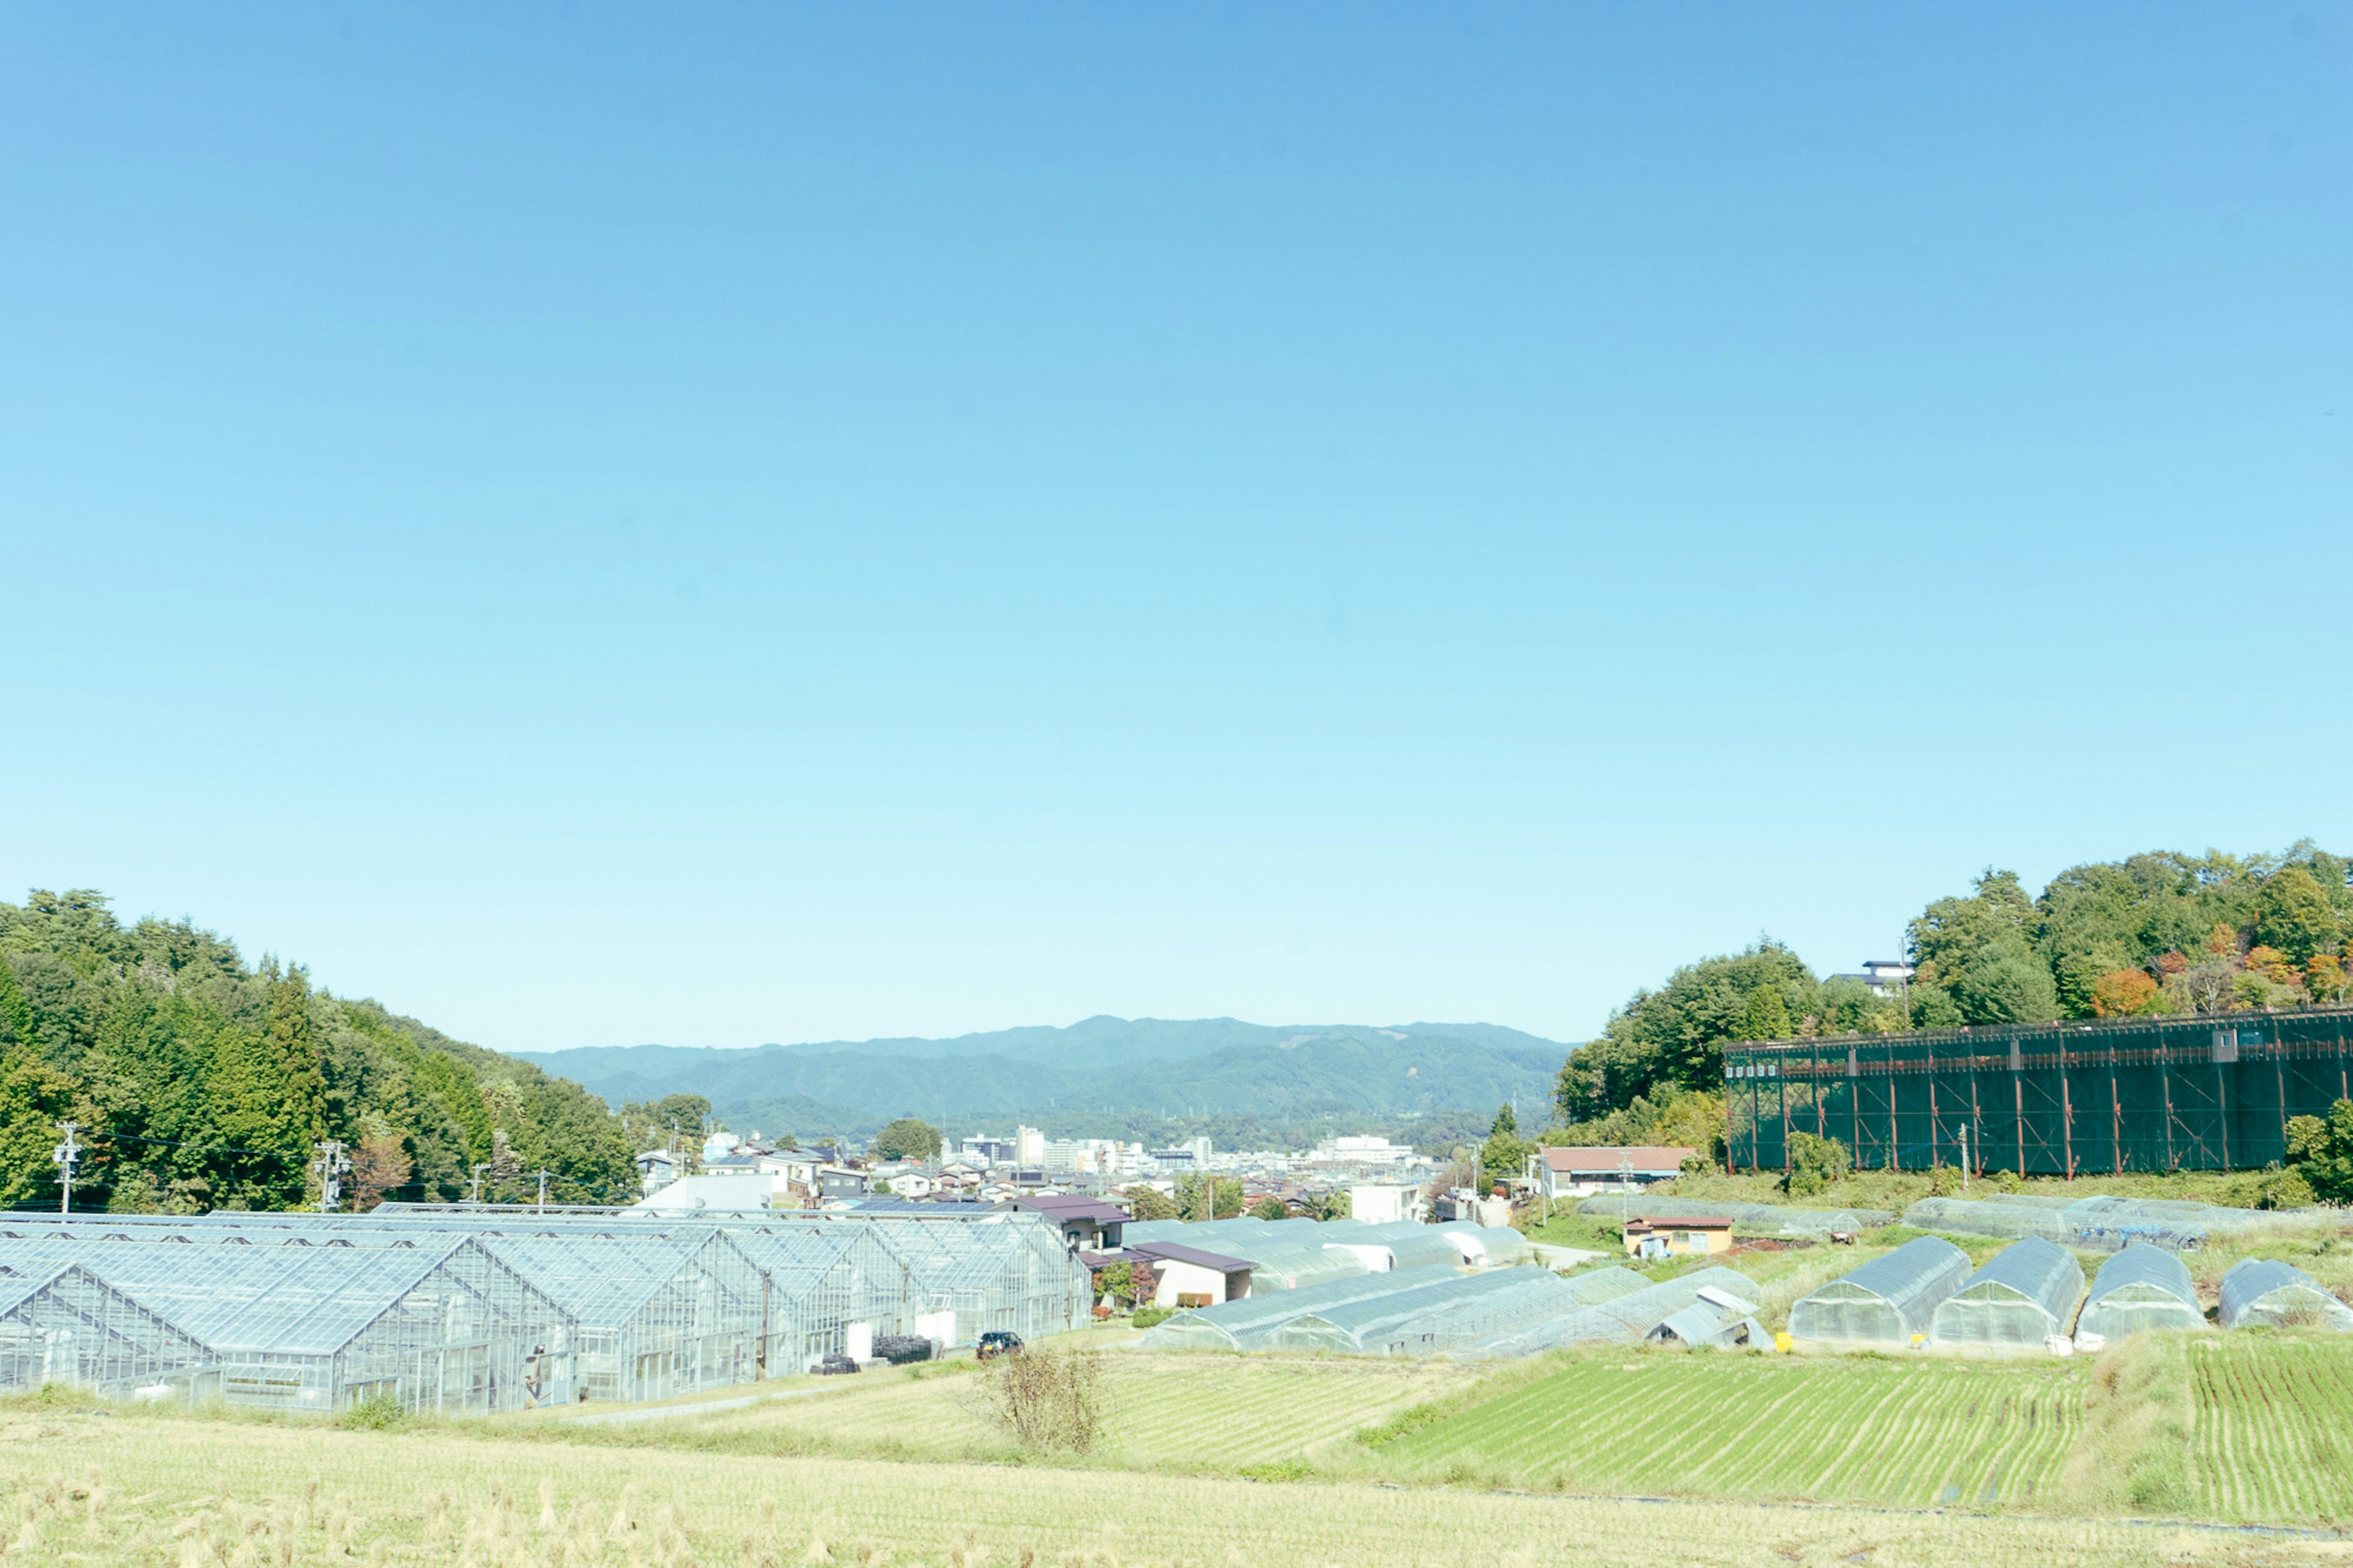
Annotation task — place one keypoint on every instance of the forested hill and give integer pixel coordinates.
(1135, 1073)
(199, 1081)
(2153, 933)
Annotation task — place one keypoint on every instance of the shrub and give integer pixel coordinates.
(2010, 1182)
(378, 1412)
(1047, 1399)
(1814, 1164)
(2285, 1190)
(1944, 1182)
(1145, 1317)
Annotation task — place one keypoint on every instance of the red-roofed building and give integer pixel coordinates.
(1581, 1172)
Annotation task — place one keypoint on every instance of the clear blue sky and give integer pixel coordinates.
(727, 524)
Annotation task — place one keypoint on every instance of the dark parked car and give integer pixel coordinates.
(997, 1343)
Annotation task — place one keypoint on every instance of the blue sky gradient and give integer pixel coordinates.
(600, 523)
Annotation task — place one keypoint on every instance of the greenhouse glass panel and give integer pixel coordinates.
(2267, 1293)
(821, 1282)
(60, 1323)
(2024, 1295)
(995, 1271)
(1622, 1316)
(1597, 1285)
(1429, 1318)
(1251, 1322)
(659, 1315)
(442, 1327)
(1412, 1245)
(2140, 1287)
(1888, 1300)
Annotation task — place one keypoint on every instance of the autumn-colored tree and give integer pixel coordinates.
(2222, 941)
(2122, 993)
(2328, 978)
(2273, 965)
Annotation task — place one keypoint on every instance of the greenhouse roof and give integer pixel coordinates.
(2024, 1293)
(2143, 1270)
(2266, 1291)
(1625, 1317)
(287, 1300)
(1366, 1319)
(604, 1281)
(1233, 1323)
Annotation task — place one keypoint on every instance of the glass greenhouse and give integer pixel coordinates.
(60, 1323)
(1890, 1300)
(2024, 1295)
(1251, 1323)
(2267, 1293)
(436, 1324)
(1006, 1271)
(657, 1315)
(2140, 1287)
(1429, 1319)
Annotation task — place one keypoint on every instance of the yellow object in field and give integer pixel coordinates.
(1782, 1341)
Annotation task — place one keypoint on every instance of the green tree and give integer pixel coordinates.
(1504, 1153)
(1200, 1195)
(1269, 1208)
(16, 1012)
(909, 1138)
(1674, 1036)
(1768, 1015)
(2320, 1150)
(1147, 1203)
(1980, 949)
(2293, 914)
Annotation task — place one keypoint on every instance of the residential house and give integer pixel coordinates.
(1579, 1173)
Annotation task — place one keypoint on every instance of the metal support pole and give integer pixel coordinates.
(333, 1165)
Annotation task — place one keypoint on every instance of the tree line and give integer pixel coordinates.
(2153, 933)
(197, 1081)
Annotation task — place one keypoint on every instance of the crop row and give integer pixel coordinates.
(2272, 1428)
(1866, 1431)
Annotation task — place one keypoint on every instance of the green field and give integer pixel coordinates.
(1851, 1429)
(2271, 1432)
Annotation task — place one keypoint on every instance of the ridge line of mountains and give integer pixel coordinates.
(1118, 1067)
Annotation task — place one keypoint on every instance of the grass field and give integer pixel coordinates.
(1850, 1429)
(182, 1493)
(1169, 1413)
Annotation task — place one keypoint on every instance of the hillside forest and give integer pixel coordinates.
(2159, 933)
(198, 1081)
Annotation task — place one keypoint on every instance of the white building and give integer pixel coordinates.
(1028, 1148)
(1383, 1203)
(1364, 1150)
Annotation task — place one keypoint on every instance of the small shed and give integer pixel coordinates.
(2268, 1293)
(2143, 1287)
(1646, 1237)
(2024, 1295)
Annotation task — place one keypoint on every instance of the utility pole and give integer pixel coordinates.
(478, 1180)
(64, 1157)
(543, 1190)
(333, 1165)
(1965, 1156)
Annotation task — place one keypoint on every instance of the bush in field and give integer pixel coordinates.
(1146, 1317)
(1944, 1182)
(1814, 1164)
(2284, 1190)
(2321, 1151)
(1047, 1399)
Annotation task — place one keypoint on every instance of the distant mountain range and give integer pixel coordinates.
(1140, 1066)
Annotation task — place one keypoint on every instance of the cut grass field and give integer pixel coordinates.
(1856, 1429)
(1214, 1413)
(158, 1491)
